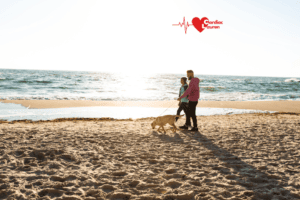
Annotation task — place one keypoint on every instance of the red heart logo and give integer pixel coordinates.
(199, 24)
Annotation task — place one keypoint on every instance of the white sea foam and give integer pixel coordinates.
(207, 86)
(211, 96)
(17, 112)
(234, 96)
(292, 80)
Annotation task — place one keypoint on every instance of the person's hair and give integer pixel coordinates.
(190, 71)
(184, 79)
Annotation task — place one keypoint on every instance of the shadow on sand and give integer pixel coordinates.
(257, 184)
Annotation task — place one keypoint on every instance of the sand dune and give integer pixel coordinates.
(250, 156)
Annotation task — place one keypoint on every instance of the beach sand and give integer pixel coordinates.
(248, 156)
(279, 106)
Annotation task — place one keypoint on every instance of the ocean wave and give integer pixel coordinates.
(204, 97)
(208, 88)
(209, 80)
(6, 79)
(291, 80)
(24, 81)
(144, 88)
(212, 88)
(244, 96)
(43, 81)
(11, 88)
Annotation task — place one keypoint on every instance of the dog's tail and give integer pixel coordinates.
(178, 115)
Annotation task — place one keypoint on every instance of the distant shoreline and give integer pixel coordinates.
(279, 106)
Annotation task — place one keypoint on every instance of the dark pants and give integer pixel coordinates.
(191, 114)
(183, 106)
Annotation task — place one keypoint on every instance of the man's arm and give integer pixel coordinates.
(188, 91)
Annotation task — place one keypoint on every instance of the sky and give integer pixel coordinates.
(257, 38)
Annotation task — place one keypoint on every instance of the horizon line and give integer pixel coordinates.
(148, 72)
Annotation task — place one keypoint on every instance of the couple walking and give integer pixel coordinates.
(188, 97)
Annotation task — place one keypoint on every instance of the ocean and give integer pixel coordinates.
(100, 86)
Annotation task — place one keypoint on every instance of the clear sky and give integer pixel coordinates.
(257, 38)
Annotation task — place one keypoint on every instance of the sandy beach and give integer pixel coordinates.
(249, 156)
(279, 106)
(83, 83)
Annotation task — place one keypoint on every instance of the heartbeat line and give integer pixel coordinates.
(183, 23)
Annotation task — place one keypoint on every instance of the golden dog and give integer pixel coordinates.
(163, 120)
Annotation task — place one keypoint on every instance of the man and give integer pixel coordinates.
(194, 94)
(183, 104)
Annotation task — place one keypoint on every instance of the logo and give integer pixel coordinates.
(200, 24)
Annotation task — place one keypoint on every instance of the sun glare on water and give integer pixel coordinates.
(134, 86)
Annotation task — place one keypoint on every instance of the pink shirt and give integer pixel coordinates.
(193, 90)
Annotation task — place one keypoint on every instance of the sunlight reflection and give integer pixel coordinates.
(134, 85)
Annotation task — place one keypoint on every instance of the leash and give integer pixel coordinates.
(166, 109)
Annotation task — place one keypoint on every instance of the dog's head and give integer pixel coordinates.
(153, 124)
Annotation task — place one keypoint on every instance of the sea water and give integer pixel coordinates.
(10, 112)
(100, 86)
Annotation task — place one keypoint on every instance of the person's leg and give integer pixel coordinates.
(185, 108)
(193, 113)
(188, 115)
(179, 111)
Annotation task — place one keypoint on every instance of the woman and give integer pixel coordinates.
(183, 104)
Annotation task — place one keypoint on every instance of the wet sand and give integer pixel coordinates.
(280, 106)
(248, 156)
